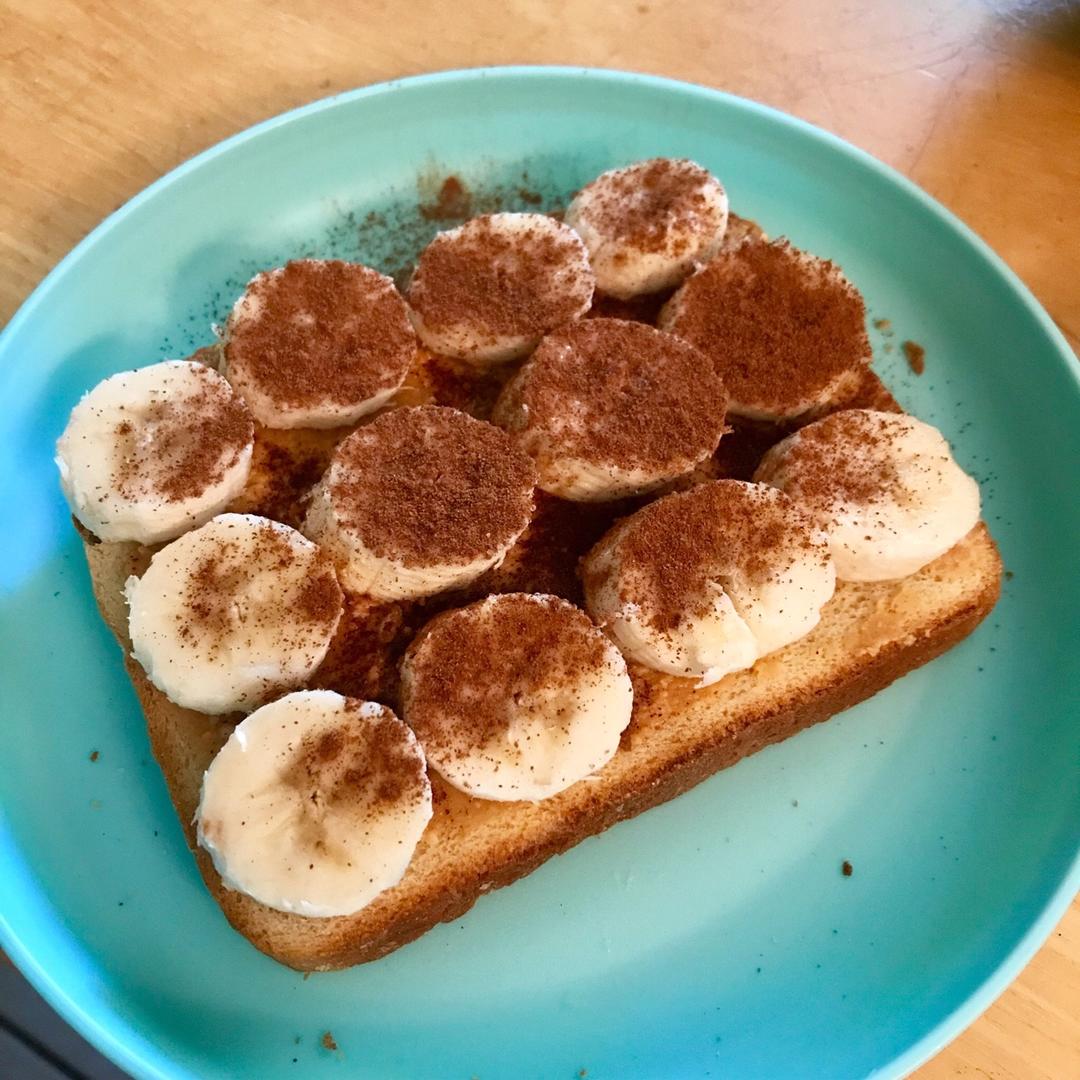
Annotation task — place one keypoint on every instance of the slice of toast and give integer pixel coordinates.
(869, 635)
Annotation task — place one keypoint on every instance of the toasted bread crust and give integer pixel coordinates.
(870, 635)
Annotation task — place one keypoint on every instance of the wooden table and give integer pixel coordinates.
(977, 102)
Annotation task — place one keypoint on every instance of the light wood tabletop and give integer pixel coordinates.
(979, 102)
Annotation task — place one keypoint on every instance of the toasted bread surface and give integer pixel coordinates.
(869, 635)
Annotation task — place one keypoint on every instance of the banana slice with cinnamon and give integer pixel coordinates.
(646, 226)
(884, 486)
(233, 613)
(517, 696)
(489, 290)
(149, 453)
(785, 330)
(704, 582)
(315, 804)
(609, 408)
(421, 500)
(318, 343)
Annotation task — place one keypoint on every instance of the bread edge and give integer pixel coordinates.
(681, 774)
(670, 779)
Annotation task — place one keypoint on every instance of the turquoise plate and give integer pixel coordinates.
(714, 936)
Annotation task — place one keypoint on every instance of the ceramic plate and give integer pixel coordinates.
(714, 936)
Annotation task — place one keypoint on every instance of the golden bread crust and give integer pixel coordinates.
(870, 635)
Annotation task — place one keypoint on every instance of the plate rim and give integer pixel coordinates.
(150, 1062)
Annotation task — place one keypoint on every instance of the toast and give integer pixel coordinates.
(869, 635)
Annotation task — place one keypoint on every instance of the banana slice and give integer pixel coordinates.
(608, 408)
(706, 581)
(150, 453)
(420, 500)
(318, 343)
(647, 225)
(786, 331)
(517, 696)
(884, 485)
(488, 290)
(315, 804)
(233, 613)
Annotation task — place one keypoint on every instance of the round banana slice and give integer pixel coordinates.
(786, 331)
(704, 582)
(420, 500)
(515, 697)
(315, 804)
(488, 290)
(233, 613)
(647, 225)
(608, 408)
(318, 343)
(150, 453)
(883, 485)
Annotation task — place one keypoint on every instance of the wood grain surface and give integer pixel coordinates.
(979, 102)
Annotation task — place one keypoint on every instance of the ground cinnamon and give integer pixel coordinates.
(617, 393)
(501, 284)
(429, 485)
(368, 762)
(652, 206)
(183, 444)
(915, 355)
(843, 458)
(676, 549)
(320, 331)
(781, 327)
(471, 665)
